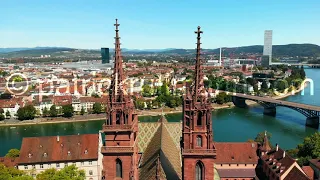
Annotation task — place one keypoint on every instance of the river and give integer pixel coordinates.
(231, 125)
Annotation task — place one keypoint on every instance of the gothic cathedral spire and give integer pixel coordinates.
(198, 151)
(120, 150)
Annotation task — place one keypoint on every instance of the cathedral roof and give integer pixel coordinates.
(148, 129)
(161, 148)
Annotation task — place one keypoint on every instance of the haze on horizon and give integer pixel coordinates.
(156, 24)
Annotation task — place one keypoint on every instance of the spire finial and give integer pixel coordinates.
(198, 31)
(198, 80)
(116, 24)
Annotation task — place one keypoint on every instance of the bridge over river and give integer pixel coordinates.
(312, 113)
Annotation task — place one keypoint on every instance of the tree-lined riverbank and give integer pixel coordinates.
(229, 124)
(96, 117)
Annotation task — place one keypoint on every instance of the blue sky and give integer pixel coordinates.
(156, 23)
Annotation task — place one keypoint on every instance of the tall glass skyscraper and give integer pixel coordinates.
(105, 55)
(267, 48)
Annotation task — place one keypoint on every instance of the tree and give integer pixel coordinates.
(240, 89)
(282, 85)
(271, 74)
(26, 113)
(97, 108)
(231, 86)
(82, 111)
(158, 91)
(250, 81)
(53, 111)
(165, 89)
(12, 174)
(67, 110)
(264, 86)
(17, 79)
(178, 100)
(68, 173)
(293, 153)
(45, 112)
(297, 83)
(175, 70)
(272, 85)
(155, 103)
(8, 115)
(220, 98)
(207, 83)
(260, 137)
(139, 104)
(302, 73)
(149, 104)
(5, 96)
(95, 95)
(255, 88)
(172, 103)
(2, 117)
(13, 153)
(309, 149)
(47, 174)
(147, 91)
(3, 73)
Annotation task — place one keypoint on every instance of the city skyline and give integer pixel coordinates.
(156, 25)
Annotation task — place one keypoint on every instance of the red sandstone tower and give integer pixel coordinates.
(198, 151)
(120, 150)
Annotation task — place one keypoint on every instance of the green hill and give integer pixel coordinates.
(290, 50)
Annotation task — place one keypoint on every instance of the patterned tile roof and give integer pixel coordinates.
(148, 129)
(175, 132)
(162, 145)
(146, 132)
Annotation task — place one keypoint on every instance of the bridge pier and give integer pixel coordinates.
(270, 111)
(239, 102)
(313, 122)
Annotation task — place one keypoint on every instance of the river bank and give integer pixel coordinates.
(152, 112)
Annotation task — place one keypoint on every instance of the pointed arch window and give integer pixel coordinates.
(199, 171)
(118, 168)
